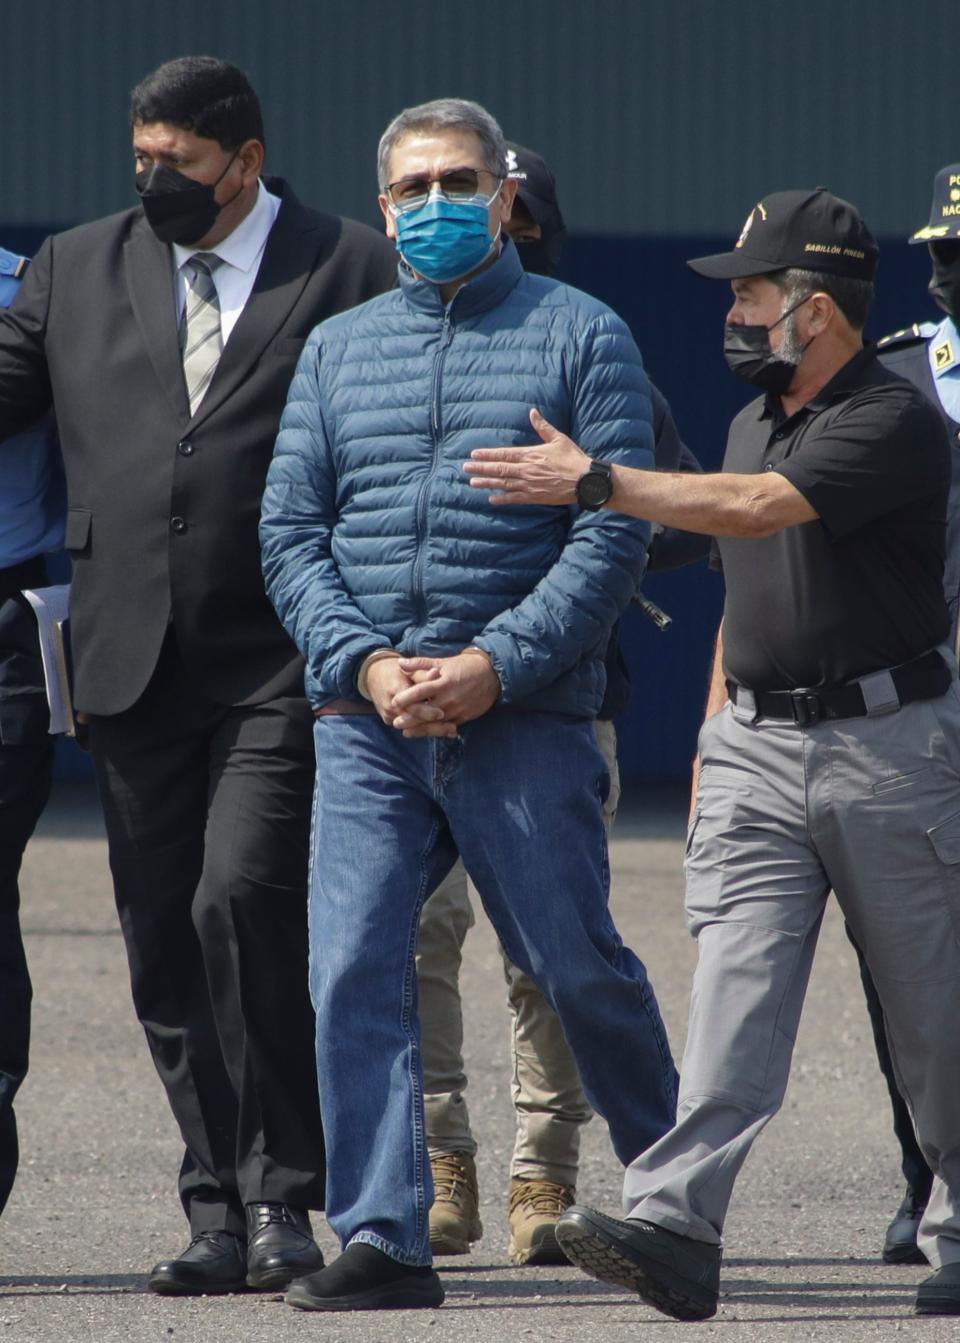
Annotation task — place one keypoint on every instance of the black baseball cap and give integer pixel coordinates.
(805, 230)
(945, 211)
(536, 188)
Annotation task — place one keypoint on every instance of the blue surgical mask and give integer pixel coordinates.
(442, 239)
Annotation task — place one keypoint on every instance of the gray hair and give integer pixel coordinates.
(444, 114)
(853, 297)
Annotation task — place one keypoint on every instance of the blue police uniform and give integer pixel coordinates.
(32, 512)
(928, 355)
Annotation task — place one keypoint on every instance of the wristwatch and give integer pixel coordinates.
(595, 486)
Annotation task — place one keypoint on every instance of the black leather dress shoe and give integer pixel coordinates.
(675, 1274)
(213, 1263)
(364, 1278)
(280, 1246)
(940, 1293)
(900, 1245)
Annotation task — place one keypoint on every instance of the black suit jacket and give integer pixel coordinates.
(163, 508)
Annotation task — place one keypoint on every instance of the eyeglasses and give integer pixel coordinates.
(457, 184)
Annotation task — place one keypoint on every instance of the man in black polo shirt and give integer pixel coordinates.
(831, 753)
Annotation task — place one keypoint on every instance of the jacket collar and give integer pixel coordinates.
(859, 369)
(483, 292)
(290, 253)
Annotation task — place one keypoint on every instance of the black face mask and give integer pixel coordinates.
(541, 256)
(748, 355)
(178, 209)
(945, 282)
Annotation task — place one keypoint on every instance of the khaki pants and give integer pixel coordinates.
(547, 1094)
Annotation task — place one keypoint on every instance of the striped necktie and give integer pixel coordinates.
(201, 341)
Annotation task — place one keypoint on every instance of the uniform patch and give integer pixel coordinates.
(943, 357)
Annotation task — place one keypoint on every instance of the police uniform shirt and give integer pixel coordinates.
(32, 488)
(859, 588)
(943, 352)
(928, 355)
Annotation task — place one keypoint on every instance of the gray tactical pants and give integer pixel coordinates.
(550, 1105)
(869, 807)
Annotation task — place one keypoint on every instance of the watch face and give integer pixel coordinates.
(594, 489)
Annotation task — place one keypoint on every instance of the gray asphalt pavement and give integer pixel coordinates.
(95, 1204)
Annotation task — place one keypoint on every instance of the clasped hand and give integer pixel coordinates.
(431, 697)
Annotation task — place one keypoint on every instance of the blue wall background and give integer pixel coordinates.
(660, 117)
(664, 120)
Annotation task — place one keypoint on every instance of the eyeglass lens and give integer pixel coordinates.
(458, 184)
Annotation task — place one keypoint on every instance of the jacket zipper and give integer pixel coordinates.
(436, 433)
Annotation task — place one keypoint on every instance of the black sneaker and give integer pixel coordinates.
(364, 1278)
(675, 1274)
(940, 1293)
(900, 1244)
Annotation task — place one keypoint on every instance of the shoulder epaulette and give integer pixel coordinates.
(13, 265)
(908, 336)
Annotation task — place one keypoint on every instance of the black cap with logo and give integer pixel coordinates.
(803, 230)
(536, 188)
(944, 223)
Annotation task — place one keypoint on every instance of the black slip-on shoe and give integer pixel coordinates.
(940, 1293)
(214, 1263)
(900, 1244)
(674, 1274)
(364, 1278)
(280, 1246)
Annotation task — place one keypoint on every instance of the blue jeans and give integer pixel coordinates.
(519, 796)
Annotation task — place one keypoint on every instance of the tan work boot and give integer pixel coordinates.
(535, 1208)
(455, 1215)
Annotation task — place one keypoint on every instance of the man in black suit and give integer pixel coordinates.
(164, 338)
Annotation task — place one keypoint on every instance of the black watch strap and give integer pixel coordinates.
(595, 486)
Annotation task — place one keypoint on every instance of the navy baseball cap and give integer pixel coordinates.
(804, 230)
(536, 188)
(944, 225)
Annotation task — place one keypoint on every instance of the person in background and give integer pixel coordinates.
(32, 508)
(928, 354)
(549, 1101)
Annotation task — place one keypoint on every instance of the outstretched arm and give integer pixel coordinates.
(719, 504)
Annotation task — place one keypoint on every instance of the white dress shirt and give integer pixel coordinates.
(241, 253)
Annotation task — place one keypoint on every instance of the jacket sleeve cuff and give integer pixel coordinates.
(516, 680)
(376, 656)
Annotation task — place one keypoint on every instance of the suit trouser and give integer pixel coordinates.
(869, 807)
(207, 810)
(547, 1095)
(26, 756)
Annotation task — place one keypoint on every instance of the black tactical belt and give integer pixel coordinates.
(926, 677)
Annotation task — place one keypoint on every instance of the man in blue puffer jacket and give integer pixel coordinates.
(455, 663)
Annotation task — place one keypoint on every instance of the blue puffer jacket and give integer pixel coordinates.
(371, 535)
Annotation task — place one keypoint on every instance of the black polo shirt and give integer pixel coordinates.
(861, 587)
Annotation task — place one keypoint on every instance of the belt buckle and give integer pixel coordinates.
(806, 707)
